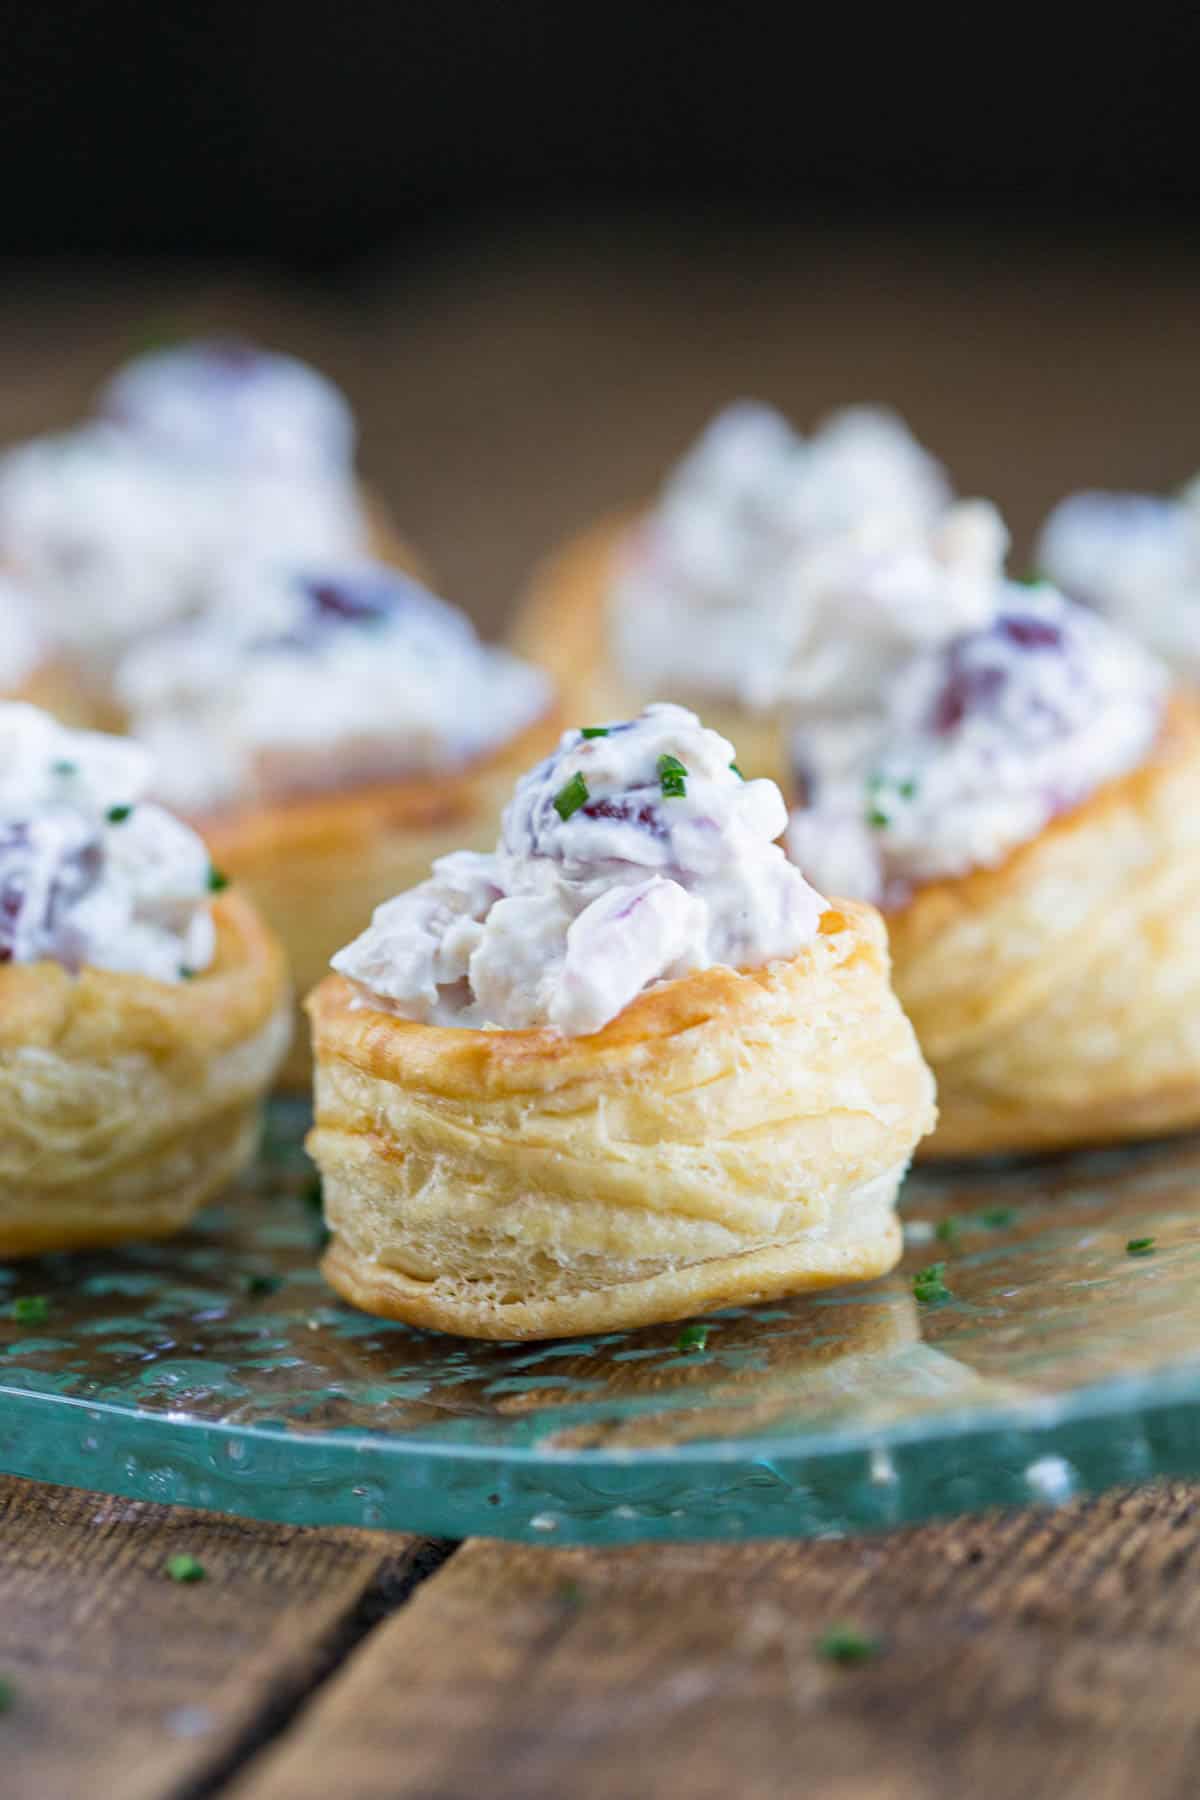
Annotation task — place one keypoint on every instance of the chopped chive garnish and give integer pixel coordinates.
(929, 1286)
(263, 1284)
(692, 1337)
(737, 772)
(117, 815)
(906, 789)
(186, 974)
(570, 797)
(65, 767)
(31, 1309)
(997, 1217)
(184, 1567)
(591, 731)
(1140, 1247)
(217, 882)
(8, 1695)
(946, 1230)
(1033, 579)
(672, 775)
(876, 819)
(846, 1645)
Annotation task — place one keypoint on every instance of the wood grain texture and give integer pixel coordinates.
(129, 1685)
(1041, 1654)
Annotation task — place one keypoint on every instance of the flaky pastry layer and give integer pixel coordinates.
(563, 625)
(1057, 997)
(126, 1103)
(729, 1136)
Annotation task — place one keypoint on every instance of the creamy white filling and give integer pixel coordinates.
(740, 582)
(114, 539)
(977, 745)
(625, 858)
(22, 645)
(1135, 558)
(303, 679)
(230, 404)
(90, 871)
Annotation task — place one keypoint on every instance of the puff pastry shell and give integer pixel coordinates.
(126, 1103)
(730, 1136)
(563, 626)
(1057, 997)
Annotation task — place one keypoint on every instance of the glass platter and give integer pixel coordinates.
(217, 1370)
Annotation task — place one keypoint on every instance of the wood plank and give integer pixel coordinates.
(131, 1685)
(1039, 1654)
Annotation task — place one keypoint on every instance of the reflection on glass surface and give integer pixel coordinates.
(218, 1368)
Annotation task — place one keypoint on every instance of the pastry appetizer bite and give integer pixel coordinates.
(1019, 802)
(730, 592)
(626, 1068)
(199, 457)
(143, 1012)
(330, 731)
(1136, 559)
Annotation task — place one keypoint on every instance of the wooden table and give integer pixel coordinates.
(507, 395)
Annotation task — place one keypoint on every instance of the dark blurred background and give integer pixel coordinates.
(540, 242)
(317, 135)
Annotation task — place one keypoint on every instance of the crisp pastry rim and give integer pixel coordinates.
(1177, 736)
(42, 1004)
(415, 802)
(460, 1059)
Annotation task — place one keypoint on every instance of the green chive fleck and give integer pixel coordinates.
(183, 1567)
(997, 1217)
(217, 882)
(65, 767)
(117, 815)
(31, 1309)
(1140, 1247)
(672, 775)
(847, 1646)
(692, 1337)
(1033, 579)
(737, 772)
(876, 819)
(906, 789)
(591, 731)
(186, 974)
(929, 1286)
(8, 1695)
(570, 797)
(263, 1284)
(946, 1230)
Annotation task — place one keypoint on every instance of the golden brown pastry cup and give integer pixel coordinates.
(1057, 996)
(562, 625)
(55, 689)
(318, 865)
(126, 1103)
(730, 1136)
